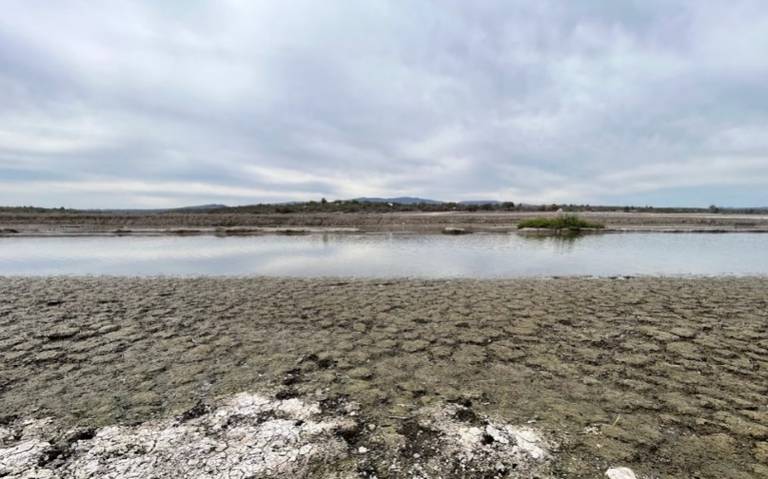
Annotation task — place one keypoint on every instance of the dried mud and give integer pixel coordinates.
(665, 376)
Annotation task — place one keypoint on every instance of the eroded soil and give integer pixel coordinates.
(666, 376)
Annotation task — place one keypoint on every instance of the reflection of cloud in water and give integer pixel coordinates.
(479, 255)
(333, 261)
(137, 249)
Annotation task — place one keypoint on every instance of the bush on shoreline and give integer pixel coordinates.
(564, 222)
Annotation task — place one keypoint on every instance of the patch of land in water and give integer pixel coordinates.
(666, 376)
(66, 223)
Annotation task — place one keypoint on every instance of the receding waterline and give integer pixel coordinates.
(389, 256)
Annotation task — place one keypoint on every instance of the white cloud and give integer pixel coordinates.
(266, 101)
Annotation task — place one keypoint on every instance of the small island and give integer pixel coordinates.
(568, 223)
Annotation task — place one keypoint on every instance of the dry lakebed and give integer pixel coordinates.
(328, 378)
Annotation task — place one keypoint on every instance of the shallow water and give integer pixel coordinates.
(390, 255)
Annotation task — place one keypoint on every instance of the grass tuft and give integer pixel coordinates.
(564, 222)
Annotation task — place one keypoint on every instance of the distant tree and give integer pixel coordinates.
(714, 209)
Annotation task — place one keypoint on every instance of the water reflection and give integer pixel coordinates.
(390, 255)
(562, 243)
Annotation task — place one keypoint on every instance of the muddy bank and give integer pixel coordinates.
(243, 223)
(665, 376)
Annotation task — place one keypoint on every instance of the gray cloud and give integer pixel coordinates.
(149, 104)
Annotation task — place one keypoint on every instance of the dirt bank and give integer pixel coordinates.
(666, 376)
(223, 223)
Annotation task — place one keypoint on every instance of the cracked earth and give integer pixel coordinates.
(404, 378)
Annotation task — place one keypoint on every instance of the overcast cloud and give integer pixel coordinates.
(154, 104)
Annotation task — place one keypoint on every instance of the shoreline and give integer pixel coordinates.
(663, 375)
(224, 233)
(28, 225)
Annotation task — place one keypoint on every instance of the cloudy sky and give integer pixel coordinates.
(171, 103)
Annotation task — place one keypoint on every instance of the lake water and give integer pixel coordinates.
(390, 255)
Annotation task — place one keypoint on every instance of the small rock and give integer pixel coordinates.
(61, 333)
(620, 473)
(497, 435)
(760, 451)
(46, 356)
(109, 328)
(685, 333)
(362, 450)
(361, 373)
(360, 327)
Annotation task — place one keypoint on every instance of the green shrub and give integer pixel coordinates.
(563, 222)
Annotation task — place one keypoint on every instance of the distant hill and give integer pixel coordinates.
(400, 200)
(411, 200)
(199, 208)
(182, 209)
(375, 204)
(480, 202)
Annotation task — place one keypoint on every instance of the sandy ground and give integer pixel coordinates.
(126, 224)
(121, 377)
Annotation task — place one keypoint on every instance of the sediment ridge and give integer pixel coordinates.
(37, 224)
